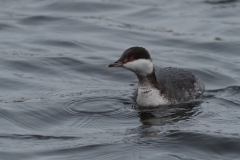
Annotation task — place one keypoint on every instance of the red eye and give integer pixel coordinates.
(130, 59)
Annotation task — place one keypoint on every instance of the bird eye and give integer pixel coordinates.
(130, 59)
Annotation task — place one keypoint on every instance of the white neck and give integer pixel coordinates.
(140, 67)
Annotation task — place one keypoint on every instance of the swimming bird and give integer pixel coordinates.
(159, 86)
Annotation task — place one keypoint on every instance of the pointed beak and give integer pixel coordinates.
(115, 64)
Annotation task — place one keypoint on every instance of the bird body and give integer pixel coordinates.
(159, 86)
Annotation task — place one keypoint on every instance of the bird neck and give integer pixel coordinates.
(148, 80)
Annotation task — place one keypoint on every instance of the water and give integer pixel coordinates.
(59, 101)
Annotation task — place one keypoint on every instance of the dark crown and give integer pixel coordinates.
(136, 53)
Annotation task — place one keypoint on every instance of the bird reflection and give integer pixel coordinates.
(166, 114)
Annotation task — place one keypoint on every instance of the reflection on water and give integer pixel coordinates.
(167, 114)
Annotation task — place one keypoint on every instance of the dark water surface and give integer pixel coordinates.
(58, 101)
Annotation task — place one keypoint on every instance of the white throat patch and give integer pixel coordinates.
(140, 66)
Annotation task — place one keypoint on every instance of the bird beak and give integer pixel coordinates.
(115, 64)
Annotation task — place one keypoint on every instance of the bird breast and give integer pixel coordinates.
(150, 97)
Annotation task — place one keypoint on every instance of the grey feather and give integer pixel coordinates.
(178, 84)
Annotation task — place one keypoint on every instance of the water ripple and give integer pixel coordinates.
(59, 101)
